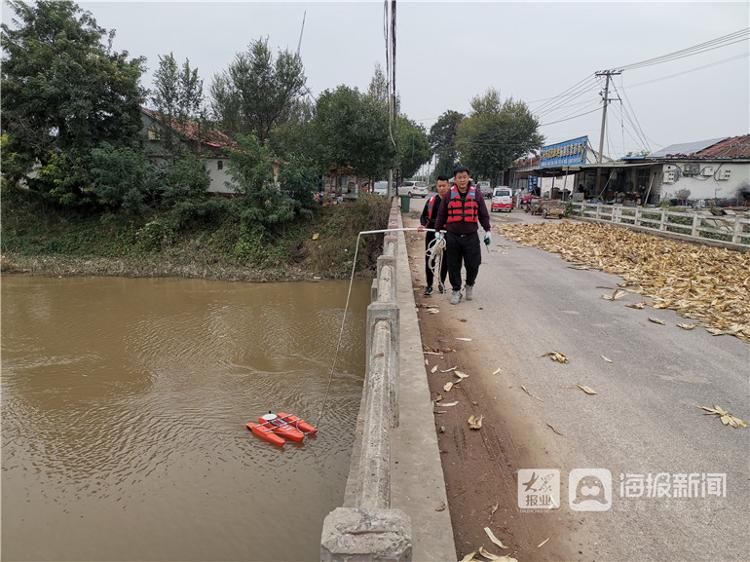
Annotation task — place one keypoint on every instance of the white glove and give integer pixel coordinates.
(438, 235)
(487, 238)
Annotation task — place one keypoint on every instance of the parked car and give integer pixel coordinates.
(502, 199)
(380, 188)
(485, 189)
(413, 188)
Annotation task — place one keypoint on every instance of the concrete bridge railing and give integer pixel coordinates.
(367, 528)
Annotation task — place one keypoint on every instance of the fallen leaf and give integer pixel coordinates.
(461, 375)
(637, 305)
(475, 422)
(441, 507)
(448, 370)
(496, 371)
(316, 236)
(494, 539)
(488, 555)
(616, 294)
(556, 356)
(463, 339)
(469, 557)
(434, 369)
(426, 362)
(442, 429)
(541, 544)
(607, 359)
(438, 398)
(553, 429)
(448, 404)
(586, 389)
(726, 417)
(494, 509)
(448, 386)
(655, 320)
(687, 326)
(526, 390)
(433, 310)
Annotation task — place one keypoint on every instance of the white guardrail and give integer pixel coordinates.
(727, 230)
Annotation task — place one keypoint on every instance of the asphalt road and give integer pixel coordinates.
(644, 418)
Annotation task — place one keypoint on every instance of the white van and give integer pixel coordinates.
(502, 199)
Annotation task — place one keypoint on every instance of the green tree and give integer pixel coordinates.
(413, 147)
(178, 97)
(257, 91)
(443, 141)
(65, 91)
(378, 88)
(263, 204)
(495, 134)
(351, 129)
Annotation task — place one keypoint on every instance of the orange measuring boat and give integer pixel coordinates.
(281, 428)
(266, 433)
(298, 422)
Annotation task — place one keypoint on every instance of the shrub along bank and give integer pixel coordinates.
(213, 238)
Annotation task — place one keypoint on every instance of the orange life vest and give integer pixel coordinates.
(431, 216)
(468, 211)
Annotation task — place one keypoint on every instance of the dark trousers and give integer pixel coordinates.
(430, 236)
(463, 248)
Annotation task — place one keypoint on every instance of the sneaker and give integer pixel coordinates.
(428, 291)
(456, 297)
(469, 292)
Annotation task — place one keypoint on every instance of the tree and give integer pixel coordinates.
(443, 141)
(413, 146)
(264, 205)
(351, 130)
(178, 97)
(257, 92)
(495, 134)
(64, 93)
(378, 88)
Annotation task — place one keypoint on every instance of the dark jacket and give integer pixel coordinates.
(463, 227)
(426, 220)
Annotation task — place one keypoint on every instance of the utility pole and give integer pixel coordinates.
(608, 74)
(392, 94)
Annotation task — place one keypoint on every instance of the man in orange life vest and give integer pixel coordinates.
(427, 220)
(460, 214)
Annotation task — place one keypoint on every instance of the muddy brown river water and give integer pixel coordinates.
(123, 411)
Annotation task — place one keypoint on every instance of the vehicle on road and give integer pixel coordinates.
(502, 199)
(380, 188)
(485, 188)
(413, 188)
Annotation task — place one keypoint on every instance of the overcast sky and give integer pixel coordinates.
(449, 52)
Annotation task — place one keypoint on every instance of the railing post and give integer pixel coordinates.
(598, 211)
(663, 219)
(376, 312)
(696, 222)
(637, 216)
(737, 230)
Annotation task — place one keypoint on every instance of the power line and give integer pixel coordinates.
(722, 61)
(719, 42)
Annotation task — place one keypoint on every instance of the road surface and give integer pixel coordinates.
(643, 420)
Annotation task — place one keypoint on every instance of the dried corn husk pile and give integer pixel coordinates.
(709, 284)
